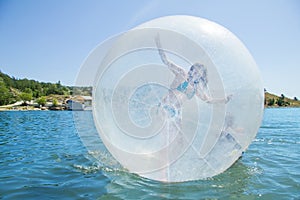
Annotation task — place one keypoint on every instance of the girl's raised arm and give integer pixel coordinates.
(172, 66)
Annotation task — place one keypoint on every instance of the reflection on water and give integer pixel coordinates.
(41, 155)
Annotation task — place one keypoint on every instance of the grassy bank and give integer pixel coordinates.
(272, 100)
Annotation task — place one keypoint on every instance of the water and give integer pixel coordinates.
(42, 157)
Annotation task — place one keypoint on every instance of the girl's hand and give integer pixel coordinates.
(228, 98)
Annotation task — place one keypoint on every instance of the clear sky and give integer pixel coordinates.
(48, 40)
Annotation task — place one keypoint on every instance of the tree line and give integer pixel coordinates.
(13, 89)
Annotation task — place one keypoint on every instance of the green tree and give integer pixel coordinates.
(26, 95)
(28, 90)
(54, 102)
(280, 102)
(295, 98)
(271, 102)
(42, 101)
(4, 93)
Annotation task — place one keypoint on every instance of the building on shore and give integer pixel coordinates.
(79, 103)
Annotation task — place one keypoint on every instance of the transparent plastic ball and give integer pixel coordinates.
(175, 99)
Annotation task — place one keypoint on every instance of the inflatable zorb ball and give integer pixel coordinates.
(175, 99)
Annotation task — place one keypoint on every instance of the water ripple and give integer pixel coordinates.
(41, 156)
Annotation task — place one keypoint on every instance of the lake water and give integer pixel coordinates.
(42, 157)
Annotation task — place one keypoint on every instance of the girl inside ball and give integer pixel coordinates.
(186, 84)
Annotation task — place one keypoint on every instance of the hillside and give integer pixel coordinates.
(13, 90)
(271, 100)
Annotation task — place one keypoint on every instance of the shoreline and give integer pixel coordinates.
(31, 108)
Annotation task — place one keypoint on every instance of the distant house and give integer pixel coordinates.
(80, 103)
(87, 102)
(74, 105)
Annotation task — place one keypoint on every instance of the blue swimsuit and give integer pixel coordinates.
(171, 109)
(183, 88)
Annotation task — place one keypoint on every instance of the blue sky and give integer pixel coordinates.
(48, 40)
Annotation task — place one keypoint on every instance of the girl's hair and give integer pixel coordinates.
(201, 68)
